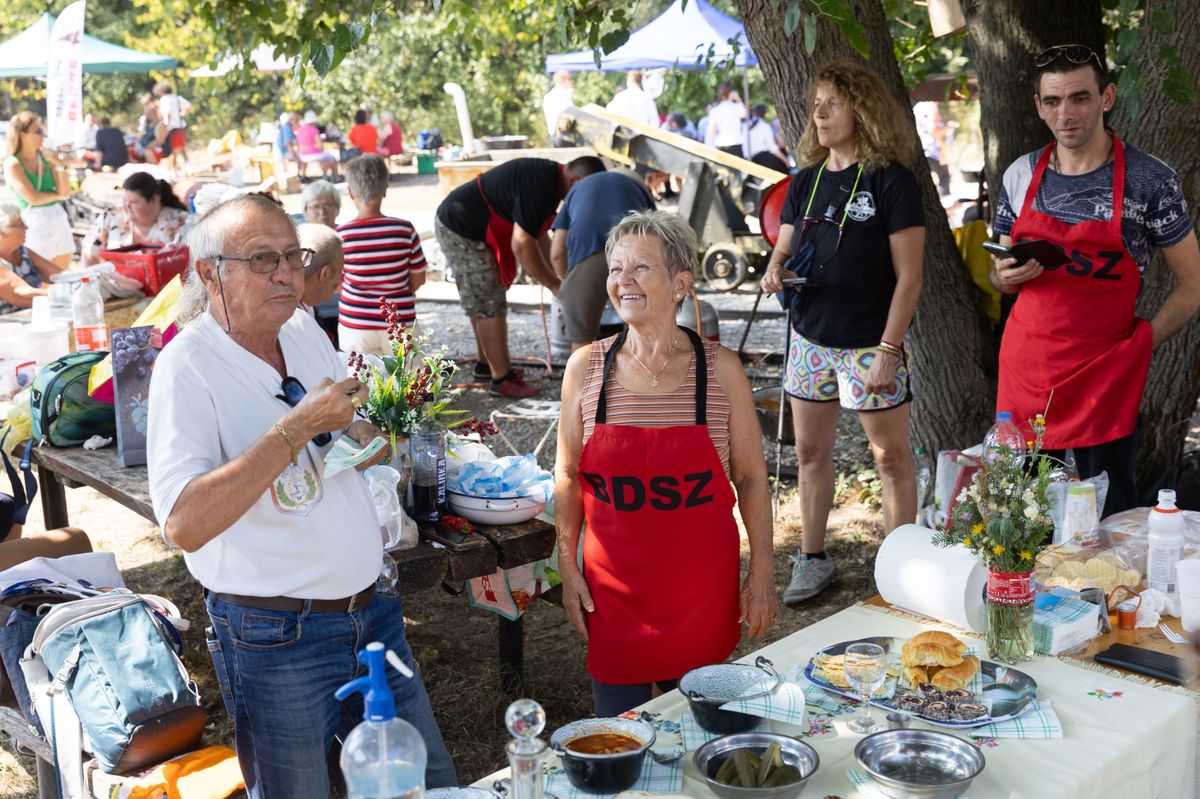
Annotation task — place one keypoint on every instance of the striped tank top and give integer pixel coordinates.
(672, 409)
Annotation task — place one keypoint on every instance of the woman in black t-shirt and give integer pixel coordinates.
(853, 227)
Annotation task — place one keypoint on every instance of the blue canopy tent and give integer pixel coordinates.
(26, 54)
(679, 37)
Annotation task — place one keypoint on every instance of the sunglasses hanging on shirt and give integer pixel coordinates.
(802, 262)
(293, 392)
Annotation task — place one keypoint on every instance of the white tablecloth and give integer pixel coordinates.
(1121, 739)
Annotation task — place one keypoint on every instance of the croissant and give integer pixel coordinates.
(916, 675)
(956, 676)
(929, 655)
(937, 637)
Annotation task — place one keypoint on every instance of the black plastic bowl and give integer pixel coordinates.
(603, 773)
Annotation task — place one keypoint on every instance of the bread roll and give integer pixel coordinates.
(958, 676)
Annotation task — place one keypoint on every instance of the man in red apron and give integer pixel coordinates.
(485, 228)
(1073, 348)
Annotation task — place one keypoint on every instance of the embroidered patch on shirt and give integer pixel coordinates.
(298, 489)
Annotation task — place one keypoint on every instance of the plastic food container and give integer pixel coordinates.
(152, 265)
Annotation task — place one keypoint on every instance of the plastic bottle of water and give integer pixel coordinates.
(383, 757)
(1004, 439)
(87, 315)
(924, 479)
(1165, 534)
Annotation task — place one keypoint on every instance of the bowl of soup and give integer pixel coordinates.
(603, 755)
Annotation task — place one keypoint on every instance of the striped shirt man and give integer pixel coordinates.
(381, 253)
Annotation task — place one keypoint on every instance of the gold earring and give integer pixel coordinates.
(677, 296)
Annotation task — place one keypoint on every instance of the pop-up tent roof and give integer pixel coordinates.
(680, 37)
(26, 54)
(263, 58)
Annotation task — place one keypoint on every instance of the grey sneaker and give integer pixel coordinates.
(809, 576)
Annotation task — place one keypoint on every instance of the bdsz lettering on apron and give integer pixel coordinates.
(1083, 263)
(630, 493)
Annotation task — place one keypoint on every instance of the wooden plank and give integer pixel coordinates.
(522, 543)
(473, 562)
(14, 724)
(420, 568)
(101, 470)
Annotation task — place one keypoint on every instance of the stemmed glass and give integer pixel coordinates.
(866, 669)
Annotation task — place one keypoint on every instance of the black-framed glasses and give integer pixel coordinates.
(264, 263)
(810, 221)
(1075, 53)
(293, 392)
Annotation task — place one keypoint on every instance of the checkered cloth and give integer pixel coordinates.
(1039, 721)
(786, 703)
(1061, 624)
(866, 789)
(655, 777)
(695, 736)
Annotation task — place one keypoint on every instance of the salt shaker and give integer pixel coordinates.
(525, 719)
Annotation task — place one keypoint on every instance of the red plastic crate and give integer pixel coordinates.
(152, 265)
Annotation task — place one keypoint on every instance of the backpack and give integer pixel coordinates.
(63, 413)
(115, 657)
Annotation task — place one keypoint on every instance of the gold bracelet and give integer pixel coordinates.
(288, 439)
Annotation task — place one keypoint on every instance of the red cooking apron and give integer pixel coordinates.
(661, 551)
(1072, 330)
(499, 234)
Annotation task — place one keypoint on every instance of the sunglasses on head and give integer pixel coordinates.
(1075, 53)
(293, 392)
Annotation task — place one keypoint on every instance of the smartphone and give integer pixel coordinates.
(793, 282)
(1045, 253)
(1158, 665)
(449, 537)
(998, 250)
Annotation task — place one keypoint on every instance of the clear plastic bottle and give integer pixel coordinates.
(383, 757)
(1165, 538)
(428, 447)
(924, 479)
(1003, 439)
(87, 315)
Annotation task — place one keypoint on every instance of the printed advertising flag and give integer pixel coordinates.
(64, 77)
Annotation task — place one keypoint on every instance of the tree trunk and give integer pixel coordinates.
(1167, 130)
(950, 341)
(1005, 36)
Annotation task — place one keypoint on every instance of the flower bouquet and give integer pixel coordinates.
(1004, 518)
(407, 387)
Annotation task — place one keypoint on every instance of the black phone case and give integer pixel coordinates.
(1158, 665)
(1046, 253)
(450, 538)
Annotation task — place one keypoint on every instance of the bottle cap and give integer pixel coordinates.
(1003, 416)
(1166, 497)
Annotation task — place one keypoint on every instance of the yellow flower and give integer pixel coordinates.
(1026, 554)
(966, 542)
(977, 529)
(998, 549)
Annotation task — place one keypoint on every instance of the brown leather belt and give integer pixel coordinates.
(289, 604)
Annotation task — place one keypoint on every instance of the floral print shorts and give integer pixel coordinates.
(824, 374)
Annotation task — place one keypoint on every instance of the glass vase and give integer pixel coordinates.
(401, 461)
(1010, 617)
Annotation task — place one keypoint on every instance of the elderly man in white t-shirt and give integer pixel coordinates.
(287, 556)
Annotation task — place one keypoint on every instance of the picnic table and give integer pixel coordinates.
(1122, 735)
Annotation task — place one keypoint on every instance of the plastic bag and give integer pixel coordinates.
(399, 531)
(18, 427)
(461, 450)
(1126, 533)
(515, 475)
(955, 471)
(1075, 510)
(1076, 568)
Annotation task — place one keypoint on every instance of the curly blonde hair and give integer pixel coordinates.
(878, 118)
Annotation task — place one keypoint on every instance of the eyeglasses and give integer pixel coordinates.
(1075, 53)
(293, 392)
(810, 221)
(323, 205)
(264, 263)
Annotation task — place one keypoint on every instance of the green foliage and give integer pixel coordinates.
(1126, 21)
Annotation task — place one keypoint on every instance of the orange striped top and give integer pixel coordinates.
(672, 409)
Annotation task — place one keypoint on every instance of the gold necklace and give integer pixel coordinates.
(654, 375)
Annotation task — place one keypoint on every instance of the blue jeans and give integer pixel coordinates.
(278, 672)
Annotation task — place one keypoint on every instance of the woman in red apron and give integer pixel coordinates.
(1073, 331)
(647, 470)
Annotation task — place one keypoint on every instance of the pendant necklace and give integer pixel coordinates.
(654, 375)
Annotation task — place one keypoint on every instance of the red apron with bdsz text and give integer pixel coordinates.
(1073, 331)
(660, 551)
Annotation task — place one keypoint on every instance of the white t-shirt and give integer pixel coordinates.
(725, 124)
(636, 105)
(759, 138)
(173, 108)
(557, 100)
(309, 537)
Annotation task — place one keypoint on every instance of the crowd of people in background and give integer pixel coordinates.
(301, 141)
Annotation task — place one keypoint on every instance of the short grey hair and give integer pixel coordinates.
(367, 175)
(207, 239)
(679, 245)
(319, 190)
(323, 241)
(9, 212)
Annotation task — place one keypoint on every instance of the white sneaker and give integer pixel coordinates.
(809, 577)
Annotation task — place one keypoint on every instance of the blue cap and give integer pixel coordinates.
(1003, 416)
(378, 704)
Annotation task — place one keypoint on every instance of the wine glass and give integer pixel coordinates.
(866, 669)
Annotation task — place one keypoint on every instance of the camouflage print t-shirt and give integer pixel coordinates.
(1155, 213)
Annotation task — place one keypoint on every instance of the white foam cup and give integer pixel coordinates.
(1188, 572)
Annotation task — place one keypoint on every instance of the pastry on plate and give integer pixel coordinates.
(958, 676)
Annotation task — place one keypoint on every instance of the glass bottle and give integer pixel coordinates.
(525, 719)
(428, 447)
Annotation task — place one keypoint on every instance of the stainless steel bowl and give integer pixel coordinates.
(709, 757)
(919, 764)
